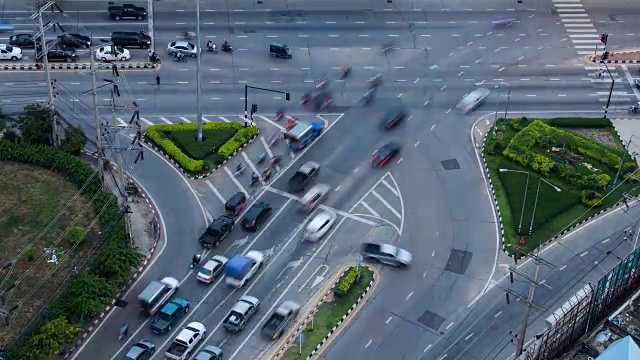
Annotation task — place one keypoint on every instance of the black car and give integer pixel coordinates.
(393, 117)
(62, 55)
(142, 350)
(385, 153)
(256, 216)
(217, 231)
(22, 40)
(74, 41)
(131, 39)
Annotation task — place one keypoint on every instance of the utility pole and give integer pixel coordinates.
(529, 301)
(198, 81)
(56, 140)
(96, 119)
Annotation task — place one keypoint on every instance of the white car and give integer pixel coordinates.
(472, 100)
(319, 225)
(212, 269)
(186, 341)
(105, 54)
(184, 47)
(8, 52)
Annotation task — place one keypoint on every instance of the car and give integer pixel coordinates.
(74, 41)
(184, 47)
(4, 27)
(241, 313)
(61, 55)
(105, 53)
(8, 52)
(186, 341)
(131, 39)
(168, 315)
(212, 269)
(256, 216)
(472, 100)
(393, 117)
(23, 40)
(209, 352)
(386, 254)
(387, 152)
(319, 225)
(142, 350)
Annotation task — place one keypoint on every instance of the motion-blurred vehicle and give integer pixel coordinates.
(387, 152)
(142, 350)
(237, 202)
(281, 318)
(74, 41)
(241, 268)
(126, 11)
(24, 41)
(106, 53)
(157, 293)
(168, 315)
(186, 341)
(241, 313)
(302, 134)
(8, 52)
(393, 117)
(472, 100)
(386, 254)
(209, 352)
(319, 225)
(4, 27)
(212, 269)
(280, 50)
(256, 216)
(303, 176)
(314, 197)
(183, 47)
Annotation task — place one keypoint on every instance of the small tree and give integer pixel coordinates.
(115, 262)
(75, 235)
(36, 125)
(50, 338)
(74, 140)
(88, 295)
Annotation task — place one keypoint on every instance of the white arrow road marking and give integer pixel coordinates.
(318, 279)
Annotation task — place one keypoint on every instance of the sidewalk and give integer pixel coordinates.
(619, 57)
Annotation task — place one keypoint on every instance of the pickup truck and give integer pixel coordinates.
(241, 268)
(303, 177)
(386, 254)
(168, 315)
(186, 341)
(127, 11)
(217, 231)
(240, 314)
(280, 319)
(302, 134)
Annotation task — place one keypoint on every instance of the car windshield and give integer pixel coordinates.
(204, 271)
(190, 46)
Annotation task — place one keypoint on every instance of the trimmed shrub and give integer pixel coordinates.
(591, 198)
(347, 282)
(519, 123)
(570, 122)
(542, 164)
(242, 137)
(154, 132)
(75, 235)
(212, 140)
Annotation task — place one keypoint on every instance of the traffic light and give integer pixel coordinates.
(605, 55)
(254, 108)
(604, 37)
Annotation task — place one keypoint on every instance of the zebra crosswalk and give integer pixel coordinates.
(146, 121)
(582, 32)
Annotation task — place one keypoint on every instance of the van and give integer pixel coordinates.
(131, 39)
(156, 294)
(280, 50)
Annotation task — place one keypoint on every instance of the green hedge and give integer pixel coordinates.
(347, 282)
(212, 140)
(114, 236)
(159, 134)
(569, 122)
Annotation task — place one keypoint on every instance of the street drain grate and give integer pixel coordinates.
(458, 261)
(431, 320)
(451, 164)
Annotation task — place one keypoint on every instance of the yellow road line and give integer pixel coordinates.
(352, 315)
(303, 319)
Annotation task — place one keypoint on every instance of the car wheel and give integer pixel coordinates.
(68, 60)
(194, 55)
(145, 46)
(14, 58)
(103, 59)
(169, 328)
(186, 310)
(140, 18)
(117, 18)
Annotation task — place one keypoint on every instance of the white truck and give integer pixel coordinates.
(186, 341)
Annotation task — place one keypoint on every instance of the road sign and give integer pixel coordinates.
(301, 341)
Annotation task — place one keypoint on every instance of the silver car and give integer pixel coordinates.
(212, 269)
(184, 47)
(472, 100)
(319, 225)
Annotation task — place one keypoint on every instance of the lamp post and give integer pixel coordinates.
(506, 109)
(198, 80)
(535, 203)
(613, 82)
(246, 98)
(524, 201)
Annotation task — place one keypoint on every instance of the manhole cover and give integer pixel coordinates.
(451, 164)
(431, 320)
(458, 261)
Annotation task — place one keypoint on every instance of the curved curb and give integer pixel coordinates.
(132, 279)
(497, 207)
(177, 166)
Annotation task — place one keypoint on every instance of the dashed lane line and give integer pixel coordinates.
(146, 121)
(215, 191)
(235, 181)
(184, 119)
(165, 120)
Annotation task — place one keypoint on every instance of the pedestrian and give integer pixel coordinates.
(157, 79)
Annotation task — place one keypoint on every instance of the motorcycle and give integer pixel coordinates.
(273, 139)
(124, 329)
(178, 57)
(154, 58)
(260, 158)
(255, 178)
(305, 98)
(239, 170)
(188, 35)
(290, 124)
(345, 72)
(634, 109)
(274, 161)
(195, 261)
(212, 48)
(227, 48)
(279, 115)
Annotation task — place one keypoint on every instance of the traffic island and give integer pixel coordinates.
(198, 159)
(548, 176)
(334, 309)
(617, 57)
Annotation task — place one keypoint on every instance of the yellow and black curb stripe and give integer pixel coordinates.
(82, 66)
(596, 59)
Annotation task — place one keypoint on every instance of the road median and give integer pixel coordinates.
(326, 318)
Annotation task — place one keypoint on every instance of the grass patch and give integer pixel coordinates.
(207, 150)
(328, 315)
(31, 199)
(555, 211)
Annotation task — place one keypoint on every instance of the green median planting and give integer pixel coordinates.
(348, 289)
(220, 140)
(550, 174)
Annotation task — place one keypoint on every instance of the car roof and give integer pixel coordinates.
(211, 264)
(320, 219)
(256, 209)
(183, 43)
(244, 303)
(169, 308)
(308, 166)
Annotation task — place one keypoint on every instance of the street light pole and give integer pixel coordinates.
(613, 82)
(524, 201)
(535, 203)
(506, 109)
(198, 81)
(495, 118)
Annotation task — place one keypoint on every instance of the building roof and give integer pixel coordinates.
(621, 349)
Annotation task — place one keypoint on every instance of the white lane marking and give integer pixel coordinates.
(277, 301)
(433, 253)
(389, 320)
(584, 253)
(449, 326)
(562, 268)
(368, 343)
(427, 348)
(468, 336)
(235, 181)
(409, 296)
(184, 119)
(373, 212)
(375, 193)
(497, 314)
(122, 122)
(165, 120)
(146, 121)
(390, 187)
(205, 119)
(253, 167)
(272, 122)
(215, 191)
(224, 119)
(605, 241)
(266, 147)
